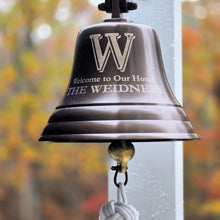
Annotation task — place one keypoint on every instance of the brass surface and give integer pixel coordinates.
(118, 90)
(121, 152)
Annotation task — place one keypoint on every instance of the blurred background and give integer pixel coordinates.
(43, 181)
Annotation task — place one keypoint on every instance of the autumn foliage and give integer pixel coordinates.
(201, 72)
(43, 180)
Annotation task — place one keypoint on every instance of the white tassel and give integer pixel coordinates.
(119, 210)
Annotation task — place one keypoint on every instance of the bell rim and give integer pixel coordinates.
(118, 122)
(134, 137)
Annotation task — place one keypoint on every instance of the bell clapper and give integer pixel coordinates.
(121, 152)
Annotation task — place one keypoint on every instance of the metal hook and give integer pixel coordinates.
(117, 168)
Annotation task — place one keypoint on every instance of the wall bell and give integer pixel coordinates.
(118, 88)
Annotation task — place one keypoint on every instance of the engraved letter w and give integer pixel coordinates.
(112, 46)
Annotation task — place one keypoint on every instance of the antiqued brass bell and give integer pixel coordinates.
(118, 89)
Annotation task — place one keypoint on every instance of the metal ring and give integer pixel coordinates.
(115, 178)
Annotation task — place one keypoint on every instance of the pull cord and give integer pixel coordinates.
(119, 210)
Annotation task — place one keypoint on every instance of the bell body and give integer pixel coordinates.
(118, 90)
